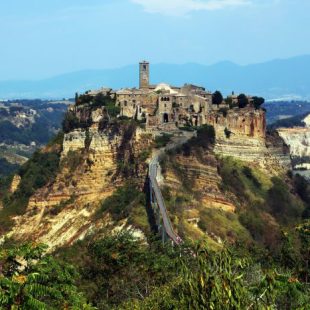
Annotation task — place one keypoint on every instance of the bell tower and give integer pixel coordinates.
(144, 74)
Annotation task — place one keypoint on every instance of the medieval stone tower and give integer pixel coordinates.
(144, 74)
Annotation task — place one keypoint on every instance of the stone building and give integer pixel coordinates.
(144, 75)
(163, 106)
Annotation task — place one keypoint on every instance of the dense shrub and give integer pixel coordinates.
(222, 280)
(242, 101)
(223, 111)
(217, 97)
(227, 133)
(282, 203)
(31, 280)
(205, 136)
(70, 122)
(118, 267)
(258, 102)
(205, 139)
(123, 201)
(162, 140)
(249, 174)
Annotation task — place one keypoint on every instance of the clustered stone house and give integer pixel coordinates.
(165, 107)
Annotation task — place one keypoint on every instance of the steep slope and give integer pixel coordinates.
(93, 164)
(223, 199)
(94, 176)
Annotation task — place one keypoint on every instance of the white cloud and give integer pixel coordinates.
(182, 7)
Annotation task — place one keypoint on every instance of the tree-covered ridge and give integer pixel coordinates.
(27, 121)
(26, 125)
(119, 271)
(280, 110)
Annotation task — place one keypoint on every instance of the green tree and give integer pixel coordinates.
(213, 281)
(99, 100)
(304, 237)
(31, 280)
(70, 122)
(242, 101)
(217, 97)
(258, 101)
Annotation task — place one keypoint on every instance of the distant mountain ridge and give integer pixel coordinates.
(274, 79)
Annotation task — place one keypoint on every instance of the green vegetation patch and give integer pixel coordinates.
(162, 140)
(224, 224)
(243, 181)
(265, 203)
(31, 280)
(203, 141)
(40, 170)
(119, 268)
(72, 161)
(127, 202)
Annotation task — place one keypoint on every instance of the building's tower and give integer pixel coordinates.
(144, 74)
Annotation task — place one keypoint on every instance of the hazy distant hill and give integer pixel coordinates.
(287, 78)
(283, 113)
(26, 125)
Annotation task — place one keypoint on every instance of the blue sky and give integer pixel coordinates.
(42, 38)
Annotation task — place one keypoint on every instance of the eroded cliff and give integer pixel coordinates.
(101, 157)
(94, 162)
(241, 133)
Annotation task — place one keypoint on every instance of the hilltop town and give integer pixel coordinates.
(175, 164)
(168, 108)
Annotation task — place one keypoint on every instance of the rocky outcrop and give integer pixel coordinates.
(246, 122)
(298, 140)
(242, 134)
(204, 178)
(15, 183)
(92, 166)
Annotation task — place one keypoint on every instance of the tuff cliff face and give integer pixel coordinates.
(193, 193)
(94, 162)
(241, 133)
(241, 122)
(298, 140)
(99, 154)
